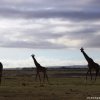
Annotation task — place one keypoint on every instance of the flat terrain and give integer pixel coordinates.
(20, 85)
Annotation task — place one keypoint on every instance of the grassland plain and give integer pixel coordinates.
(20, 85)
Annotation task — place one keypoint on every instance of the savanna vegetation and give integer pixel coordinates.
(64, 84)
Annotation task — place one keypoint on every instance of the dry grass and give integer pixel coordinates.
(17, 85)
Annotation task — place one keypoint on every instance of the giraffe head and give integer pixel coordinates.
(82, 49)
(32, 55)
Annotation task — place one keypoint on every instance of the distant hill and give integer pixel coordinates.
(50, 67)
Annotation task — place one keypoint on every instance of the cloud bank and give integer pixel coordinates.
(45, 24)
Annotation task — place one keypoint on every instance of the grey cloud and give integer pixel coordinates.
(39, 38)
(71, 15)
(41, 34)
(80, 11)
(93, 42)
(85, 33)
(34, 45)
(27, 39)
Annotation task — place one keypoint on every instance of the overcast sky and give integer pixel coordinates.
(54, 30)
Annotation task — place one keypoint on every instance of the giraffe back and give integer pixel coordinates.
(1, 66)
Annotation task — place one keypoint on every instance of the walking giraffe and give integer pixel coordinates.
(39, 69)
(91, 65)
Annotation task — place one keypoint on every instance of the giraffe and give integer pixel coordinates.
(39, 69)
(91, 65)
(1, 69)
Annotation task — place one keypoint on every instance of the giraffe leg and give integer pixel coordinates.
(0, 77)
(87, 74)
(44, 76)
(39, 77)
(0, 80)
(36, 76)
(91, 74)
(97, 71)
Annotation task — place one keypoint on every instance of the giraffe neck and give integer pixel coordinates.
(88, 59)
(36, 63)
